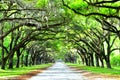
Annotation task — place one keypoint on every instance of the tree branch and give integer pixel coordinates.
(90, 14)
(114, 49)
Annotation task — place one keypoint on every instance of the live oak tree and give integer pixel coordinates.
(105, 12)
(90, 42)
(40, 31)
(21, 22)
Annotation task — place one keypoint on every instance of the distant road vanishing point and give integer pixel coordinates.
(59, 71)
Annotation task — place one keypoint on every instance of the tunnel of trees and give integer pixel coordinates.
(41, 31)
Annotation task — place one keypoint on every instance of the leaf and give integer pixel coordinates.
(117, 4)
(79, 5)
(107, 11)
(41, 3)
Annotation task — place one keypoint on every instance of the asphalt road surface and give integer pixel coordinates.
(59, 71)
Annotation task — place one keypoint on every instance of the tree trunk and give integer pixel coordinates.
(92, 59)
(30, 60)
(108, 52)
(108, 65)
(82, 58)
(102, 63)
(33, 61)
(3, 60)
(3, 63)
(86, 61)
(18, 59)
(18, 62)
(26, 60)
(108, 62)
(97, 60)
(22, 60)
(11, 61)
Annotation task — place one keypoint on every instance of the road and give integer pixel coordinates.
(59, 71)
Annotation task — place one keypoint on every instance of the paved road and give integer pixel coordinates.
(59, 71)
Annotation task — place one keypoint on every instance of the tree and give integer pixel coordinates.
(22, 25)
(102, 11)
(107, 14)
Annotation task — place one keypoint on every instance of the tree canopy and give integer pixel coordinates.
(41, 31)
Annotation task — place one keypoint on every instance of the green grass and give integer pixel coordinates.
(22, 70)
(113, 71)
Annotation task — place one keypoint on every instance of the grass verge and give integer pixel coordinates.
(113, 71)
(22, 70)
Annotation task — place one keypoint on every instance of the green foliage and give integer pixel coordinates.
(82, 23)
(107, 11)
(66, 12)
(7, 26)
(7, 41)
(79, 4)
(56, 45)
(1, 15)
(58, 48)
(74, 30)
(117, 4)
(29, 0)
(115, 60)
(41, 3)
(3, 6)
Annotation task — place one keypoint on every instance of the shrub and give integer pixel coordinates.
(115, 60)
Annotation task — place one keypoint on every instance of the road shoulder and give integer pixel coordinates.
(95, 76)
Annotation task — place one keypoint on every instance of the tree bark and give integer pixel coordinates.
(18, 62)
(97, 60)
(89, 61)
(92, 59)
(26, 60)
(102, 63)
(18, 59)
(86, 61)
(82, 58)
(3, 63)
(3, 60)
(11, 61)
(108, 62)
(22, 60)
